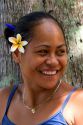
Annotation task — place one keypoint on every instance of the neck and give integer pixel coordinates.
(35, 95)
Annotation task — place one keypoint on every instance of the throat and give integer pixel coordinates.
(32, 101)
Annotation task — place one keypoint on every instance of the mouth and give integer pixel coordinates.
(49, 73)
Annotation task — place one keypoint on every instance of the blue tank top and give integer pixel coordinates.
(56, 119)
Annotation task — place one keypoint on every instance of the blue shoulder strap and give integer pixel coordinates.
(10, 97)
(67, 98)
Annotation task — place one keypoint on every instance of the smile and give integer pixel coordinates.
(50, 73)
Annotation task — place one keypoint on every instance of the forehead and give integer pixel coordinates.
(47, 32)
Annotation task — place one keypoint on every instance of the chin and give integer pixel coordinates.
(49, 85)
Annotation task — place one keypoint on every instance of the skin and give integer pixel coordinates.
(45, 53)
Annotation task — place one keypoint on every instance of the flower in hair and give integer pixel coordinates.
(17, 43)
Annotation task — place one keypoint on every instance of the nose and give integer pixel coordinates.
(52, 60)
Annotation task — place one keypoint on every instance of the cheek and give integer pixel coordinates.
(64, 61)
(34, 62)
(37, 64)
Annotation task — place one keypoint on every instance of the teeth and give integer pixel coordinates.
(49, 72)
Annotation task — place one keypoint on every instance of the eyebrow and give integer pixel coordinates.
(63, 45)
(48, 46)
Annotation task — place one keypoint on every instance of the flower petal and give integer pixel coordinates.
(12, 40)
(24, 43)
(21, 49)
(13, 48)
(19, 37)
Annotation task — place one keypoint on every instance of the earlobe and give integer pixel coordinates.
(16, 56)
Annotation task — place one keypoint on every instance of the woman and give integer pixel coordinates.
(38, 46)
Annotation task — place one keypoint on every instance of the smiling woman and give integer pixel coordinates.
(42, 98)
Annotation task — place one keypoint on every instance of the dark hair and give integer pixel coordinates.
(26, 24)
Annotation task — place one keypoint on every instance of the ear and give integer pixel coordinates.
(16, 56)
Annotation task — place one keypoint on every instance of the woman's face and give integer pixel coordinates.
(45, 57)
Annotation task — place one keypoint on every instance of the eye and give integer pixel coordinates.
(61, 52)
(42, 52)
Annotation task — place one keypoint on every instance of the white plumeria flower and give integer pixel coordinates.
(17, 43)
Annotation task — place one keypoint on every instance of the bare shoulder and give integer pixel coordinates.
(4, 93)
(78, 106)
(79, 95)
(74, 111)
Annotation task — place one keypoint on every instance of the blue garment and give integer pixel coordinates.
(56, 119)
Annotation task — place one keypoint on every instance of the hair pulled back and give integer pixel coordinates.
(26, 24)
